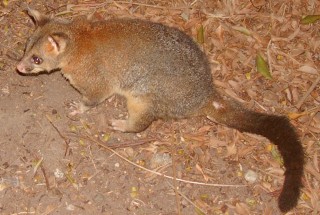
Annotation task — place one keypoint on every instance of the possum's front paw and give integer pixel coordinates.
(119, 125)
(78, 108)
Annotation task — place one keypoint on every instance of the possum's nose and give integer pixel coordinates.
(23, 69)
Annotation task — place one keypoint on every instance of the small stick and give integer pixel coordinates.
(149, 5)
(186, 198)
(100, 143)
(308, 92)
(269, 57)
(175, 184)
(40, 162)
(45, 177)
(122, 144)
(158, 173)
(67, 141)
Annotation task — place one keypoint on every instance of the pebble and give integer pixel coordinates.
(251, 176)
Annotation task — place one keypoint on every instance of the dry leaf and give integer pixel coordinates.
(296, 115)
(231, 150)
(205, 128)
(3, 186)
(308, 69)
(215, 142)
(219, 32)
(242, 209)
(198, 167)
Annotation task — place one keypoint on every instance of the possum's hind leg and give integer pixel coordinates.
(141, 115)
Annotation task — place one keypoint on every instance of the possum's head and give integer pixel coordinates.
(45, 48)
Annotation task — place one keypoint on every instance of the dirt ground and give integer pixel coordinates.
(54, 163)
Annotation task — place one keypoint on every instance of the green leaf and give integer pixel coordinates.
(199, 211)
(105, 137)
(200, 35)
(262, 67)
(243, 30)
(309, 19)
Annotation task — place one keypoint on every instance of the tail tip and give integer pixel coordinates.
(288, 200)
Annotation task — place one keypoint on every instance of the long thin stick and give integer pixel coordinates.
(160, 174)
(308, 92)
(98, 142)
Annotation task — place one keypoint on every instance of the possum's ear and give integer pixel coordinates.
(57, 42)
(38, 18)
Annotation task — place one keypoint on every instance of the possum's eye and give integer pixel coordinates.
(36, 60)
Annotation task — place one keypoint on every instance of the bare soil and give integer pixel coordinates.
(54, 163)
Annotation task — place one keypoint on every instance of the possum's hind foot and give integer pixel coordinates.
(78, 108)
(119, 125)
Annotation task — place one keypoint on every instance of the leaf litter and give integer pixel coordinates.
(231, 33)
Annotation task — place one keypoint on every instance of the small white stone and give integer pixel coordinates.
(251, 176)
(117, 165)
(160, 159)
(58, 173)
(70, 207)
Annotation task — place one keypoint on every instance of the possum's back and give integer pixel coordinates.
(159, 61)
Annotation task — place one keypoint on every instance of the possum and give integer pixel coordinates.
(160, 71)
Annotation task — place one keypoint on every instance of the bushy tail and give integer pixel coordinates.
(277, 129)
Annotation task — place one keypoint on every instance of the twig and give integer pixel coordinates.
(98, 142)
(214, 16)
(287, 55)
(174, 173)
(40, 164)
(122, 144)
(186, 198)
(150, 5)
(308, 92)
(312, 171)
(67, 141)
(26, 212)
(195, 1)
(255, 6)
(84, 6)
(269, 57)
(130, 143)
(267, 173)
(45, 177)
(91, 158)
(160, 174)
